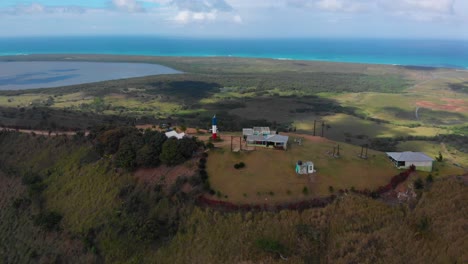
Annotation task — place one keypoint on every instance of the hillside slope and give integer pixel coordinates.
(59, 203)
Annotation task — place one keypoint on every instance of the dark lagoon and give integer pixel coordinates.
(46, 74)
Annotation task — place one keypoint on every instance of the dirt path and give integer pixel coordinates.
(43, 132)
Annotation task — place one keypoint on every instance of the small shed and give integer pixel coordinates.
(404, 160)
(305, 167)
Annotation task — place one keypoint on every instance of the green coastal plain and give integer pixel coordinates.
(86, 176)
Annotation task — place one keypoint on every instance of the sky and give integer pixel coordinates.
(427, 19)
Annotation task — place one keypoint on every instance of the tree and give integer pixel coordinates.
(186, 147)
(170, 154)
(126, 155)
(440, 158)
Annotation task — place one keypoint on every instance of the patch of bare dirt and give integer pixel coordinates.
(308, 137)
(452, 105)
(164, 174)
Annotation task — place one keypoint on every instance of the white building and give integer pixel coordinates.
(174, 134)
(305, 167)
(403, 160)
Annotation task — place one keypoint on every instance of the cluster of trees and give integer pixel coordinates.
(132, 148)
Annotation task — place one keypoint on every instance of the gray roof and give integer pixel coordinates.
(409, 156)
(278, 138)
(247, 131)
(256, 138)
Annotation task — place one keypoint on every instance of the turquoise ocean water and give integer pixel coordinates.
(435, 53)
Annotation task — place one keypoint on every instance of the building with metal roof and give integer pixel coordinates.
(274, 141)
(403, 160)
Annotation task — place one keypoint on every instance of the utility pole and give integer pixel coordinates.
(323, 126)
(315, 122)
(338, 152)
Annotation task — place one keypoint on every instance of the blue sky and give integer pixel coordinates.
(237, 18)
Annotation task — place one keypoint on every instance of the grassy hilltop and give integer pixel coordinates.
(60, 202)
(123, 195)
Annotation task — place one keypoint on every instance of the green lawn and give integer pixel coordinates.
(269, 175)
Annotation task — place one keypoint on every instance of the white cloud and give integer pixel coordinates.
(131, 6)
(188, 11)
(420, 10)
(332, 5)
(436, 6)
(35, 9)
(184, 17)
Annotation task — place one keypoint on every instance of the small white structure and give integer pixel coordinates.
(305, 167)
(174, 134)
(404, 160)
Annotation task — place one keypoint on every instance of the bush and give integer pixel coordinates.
(239, 165)
(271, 246)
(210, 145)
(305, 190)
(429, 178)
(331, 189)
(48, 220)
(418, 184)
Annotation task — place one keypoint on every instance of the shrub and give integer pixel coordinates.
(195, 180)
(331, 189)
(48, 220)
(418, 184)
(30, 178)
(429, 178)
(423, 224)
(239, 165)
(305, 190)
(210, 145)
(203, 175)
(271, 246)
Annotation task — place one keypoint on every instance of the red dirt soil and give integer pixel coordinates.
(452, 105)
(165, 175)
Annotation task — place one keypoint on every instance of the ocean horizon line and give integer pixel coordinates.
(422, 53)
